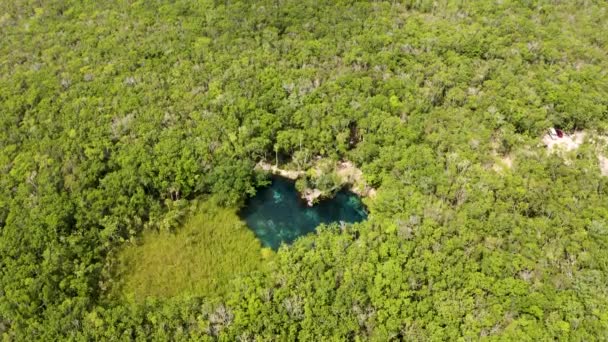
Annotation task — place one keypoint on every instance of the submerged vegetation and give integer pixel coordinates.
(277, 215)
(116, 115)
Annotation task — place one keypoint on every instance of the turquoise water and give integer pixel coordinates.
(277, 215)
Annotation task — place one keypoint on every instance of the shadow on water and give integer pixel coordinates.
(278, 215)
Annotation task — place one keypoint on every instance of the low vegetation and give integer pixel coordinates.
(200, 258)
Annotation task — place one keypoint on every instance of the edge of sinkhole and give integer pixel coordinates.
(340, 175)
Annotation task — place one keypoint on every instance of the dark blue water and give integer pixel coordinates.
(277, 214)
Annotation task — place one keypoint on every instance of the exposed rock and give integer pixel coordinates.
(568, 142)
(503, 162)
(573, 141)
(346, 170)
(371, 192)
(352, 175)
(311, 195)
(289, 174)
(349, 172)
(603, 165)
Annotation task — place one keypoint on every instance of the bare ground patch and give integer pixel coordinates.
(571, 142)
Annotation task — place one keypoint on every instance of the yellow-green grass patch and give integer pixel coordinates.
(200, 258)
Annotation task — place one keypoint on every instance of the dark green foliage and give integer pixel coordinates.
(115, 115)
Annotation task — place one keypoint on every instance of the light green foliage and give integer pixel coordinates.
(323, 177)
(328, 183)
(116, 115)
(302, 184)
(200, 258)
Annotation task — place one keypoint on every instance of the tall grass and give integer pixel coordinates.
(199, 258)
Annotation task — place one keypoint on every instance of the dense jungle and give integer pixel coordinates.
(131, 134)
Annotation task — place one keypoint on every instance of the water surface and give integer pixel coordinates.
(277, 214)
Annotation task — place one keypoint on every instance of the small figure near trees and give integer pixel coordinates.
(553, 133)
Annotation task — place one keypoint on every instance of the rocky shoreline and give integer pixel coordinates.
(348, 173)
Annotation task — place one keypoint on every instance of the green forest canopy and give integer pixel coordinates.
(116, 116)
